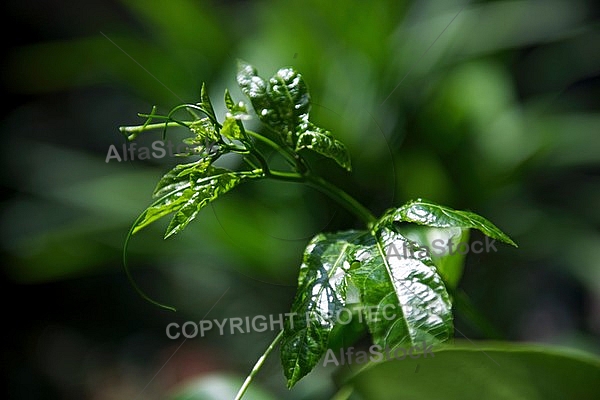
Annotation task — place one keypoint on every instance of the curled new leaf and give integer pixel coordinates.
(207, 105)
(233, 129)
(282, 103)
(205, 141)
(323, 142)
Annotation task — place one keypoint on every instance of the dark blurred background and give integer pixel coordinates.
(492, 106)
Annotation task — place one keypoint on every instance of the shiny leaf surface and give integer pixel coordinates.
(424, 212)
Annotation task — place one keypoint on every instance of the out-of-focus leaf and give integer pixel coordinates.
(498, 371)
(217, 387)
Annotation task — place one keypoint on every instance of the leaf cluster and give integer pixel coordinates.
(402, 300)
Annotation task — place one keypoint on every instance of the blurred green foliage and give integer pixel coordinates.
(490, 106)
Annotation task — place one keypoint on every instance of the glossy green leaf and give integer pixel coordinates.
(177, 177)
(323, 142)
(321, 295)
(496, 371)
(203, 191)
(405, 298)
(185, 190)
(282, 103)
(424, 212)
(445, 246)
(257, 90)
(164, 206)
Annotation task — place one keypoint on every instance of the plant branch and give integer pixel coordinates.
(343, 198)
(258, 366)
(286, 153)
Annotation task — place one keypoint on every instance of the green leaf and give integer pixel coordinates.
(205, 131)
(206, 104)
(237, 111)
(257, 90)
(424, 212)
(445, 246)
(203, 191)
(321, 295)
(403, 300)
(496, 371)
(405, 297)
(185, 190)
(164, 206)
(176, 178)
(282, 103)
(323, 142)
(233, 129)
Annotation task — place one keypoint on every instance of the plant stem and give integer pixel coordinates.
(143, 128)
(258, 366)
(334, 192)
(281, 150)
(286, 176)
(337, 194)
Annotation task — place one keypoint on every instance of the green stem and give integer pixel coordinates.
(288, 155)
(337, 194)
(133, 131)
(258, 366)
(286, 176)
